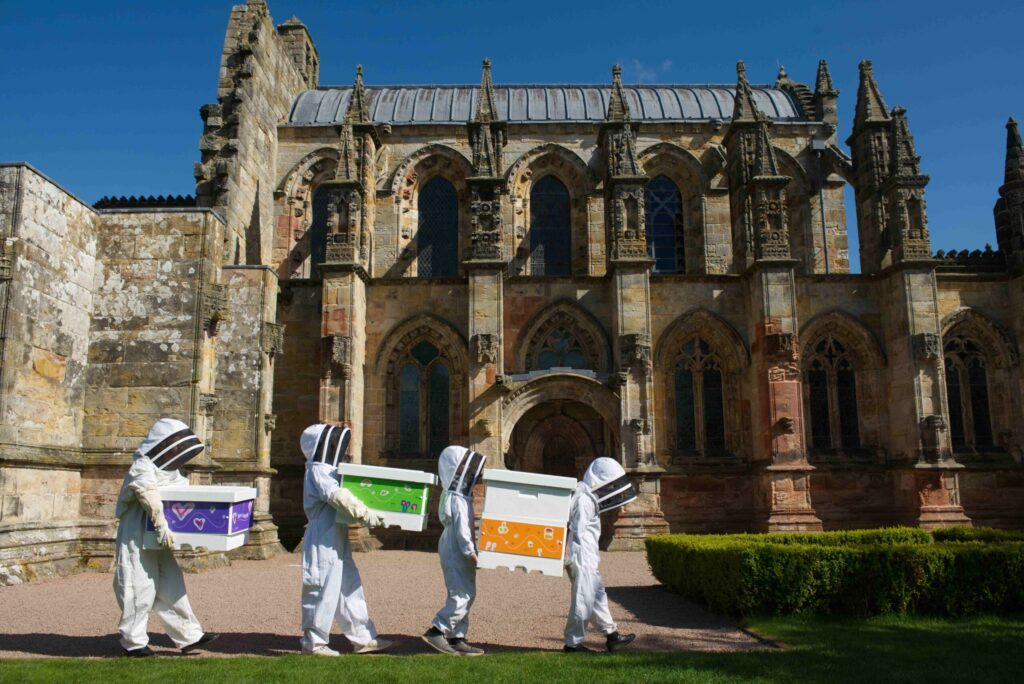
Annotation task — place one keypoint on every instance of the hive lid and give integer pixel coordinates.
(380, 472)
(215, 493)
(532, 479)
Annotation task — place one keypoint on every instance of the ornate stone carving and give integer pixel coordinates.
(269, 422)
(486, 348)
(782, 347)
(635, 350)
(207, 403)
(932, 428)
(338, 355)
(485, 221)
(273, 338)
(7, 259)
(927, 347)
(214, 307)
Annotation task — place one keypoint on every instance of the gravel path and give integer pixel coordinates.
(255, 606)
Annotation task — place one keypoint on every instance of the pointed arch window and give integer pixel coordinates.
(970, 423)
(438, 234)
(664, 209)
(561, 349)
(699, 400)
(831, 397)
(318, 233)
(550, 234)
(424, 388)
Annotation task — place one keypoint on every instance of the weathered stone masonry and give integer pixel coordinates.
(543, 273)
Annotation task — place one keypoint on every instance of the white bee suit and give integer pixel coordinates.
(331, 586)
(604, 487)
(458, 469)
(147, 579)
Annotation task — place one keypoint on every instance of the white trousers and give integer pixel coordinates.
(149, 581)
(460, 582)
(589, 604)
(339, 596)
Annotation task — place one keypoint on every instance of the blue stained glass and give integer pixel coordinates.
(409, 409)
(438, 235)
(439, 394)
(686, 432)
(424, 352)
(550, 235)
(318, 233)
(561, 351)
(664, 221)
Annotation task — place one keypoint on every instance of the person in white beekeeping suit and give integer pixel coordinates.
(150, 579)
(605, 487)
(331, 586)
(459, 468)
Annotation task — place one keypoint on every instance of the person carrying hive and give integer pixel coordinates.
(458, 468)
(331, 586)
(150, 579)
(604, 488)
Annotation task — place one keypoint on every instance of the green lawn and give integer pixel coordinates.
(895, 649)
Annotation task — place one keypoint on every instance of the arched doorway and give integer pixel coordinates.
(558, 438)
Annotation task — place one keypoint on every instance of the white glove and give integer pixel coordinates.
(154, 506)
(346, 502)
(374, 520)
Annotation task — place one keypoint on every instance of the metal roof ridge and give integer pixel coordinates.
(727, 86)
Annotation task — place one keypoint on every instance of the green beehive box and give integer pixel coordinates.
(399, 496)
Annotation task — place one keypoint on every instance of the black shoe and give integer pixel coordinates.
(203, 640)
(618, 641)
(577, 649)
(143, 652)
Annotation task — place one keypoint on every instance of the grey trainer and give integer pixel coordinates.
(439, 643)
(462, 647)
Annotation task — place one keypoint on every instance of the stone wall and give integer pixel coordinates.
(157, 304)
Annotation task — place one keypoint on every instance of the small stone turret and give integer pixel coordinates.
(1009, 209)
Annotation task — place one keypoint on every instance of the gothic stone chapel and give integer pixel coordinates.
(544, 273)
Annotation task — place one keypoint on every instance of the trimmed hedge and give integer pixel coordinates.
(981, 534)
(867, 572)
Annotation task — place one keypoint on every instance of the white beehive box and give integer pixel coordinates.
(523, 524)
(217, 517)
(399, 496)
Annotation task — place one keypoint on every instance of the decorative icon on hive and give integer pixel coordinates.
(181, 510)
(503, 528)
(365, 483)
(200, 523)
(549, 534)
(384, 493)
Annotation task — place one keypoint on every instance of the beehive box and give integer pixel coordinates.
(216, 517)
(399, 496)
(523, 524)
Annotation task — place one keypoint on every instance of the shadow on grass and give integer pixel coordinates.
(821, 650)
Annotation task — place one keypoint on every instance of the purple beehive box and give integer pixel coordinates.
(216, 517)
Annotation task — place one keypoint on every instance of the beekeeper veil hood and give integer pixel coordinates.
(459, 468)
(608, 482)
(170, 444)
(327, 444)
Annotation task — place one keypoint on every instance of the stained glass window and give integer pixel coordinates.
(664, 209)
(318, 233)
(409, 409)
(438, 409)
(561, 349)
(970, 423)
(699, 400)
(550, 235)
(424, 396)
(832, 397)
(438, 235)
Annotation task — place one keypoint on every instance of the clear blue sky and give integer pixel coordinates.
(104, 96)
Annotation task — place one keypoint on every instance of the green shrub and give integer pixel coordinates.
(980, 534)
(884, 571)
